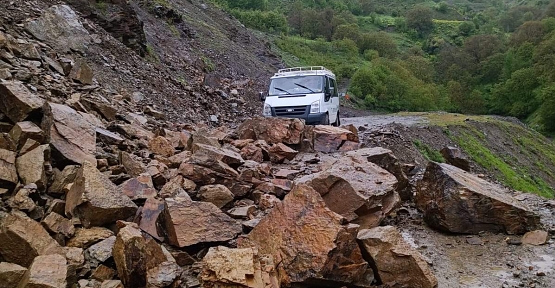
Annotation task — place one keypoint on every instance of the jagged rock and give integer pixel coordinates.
(331, 139)
(57, 224)
(252, 152)
(203, 151)
(140, 187)
(175, 186)
(84, 238)
(106, 110)
(22, 131)
(54, 65)
(154, 113)
(161, 146)
(455, 157)
(107, 137)
(63, 179)
(303, 218)
(396, 261)
(163, 271)
(130, 257)
(10, 274)
(59, 26)
(48, 271)
(7, 143)
(267, 201)
(177, 159)
(22, 239)
(387, 160)
(220, 173)
(112, 284)
(71, 134)
(356, 189)
(242, 212)
(272, 130)
(96, 200)
(132, 166)
(16, 101)
(537, 237)
(218, 195)
(101, 251)
(279, 152)
(203, 136)
(456, 201)
(103, 273)
(190, 222)
(21, 201)
(150, 216)
(31, 166)
(225, 267)
(5, 74)
(132, 131)
(8, 171)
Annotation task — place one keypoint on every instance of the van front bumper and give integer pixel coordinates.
(300, 112)
(315, 119)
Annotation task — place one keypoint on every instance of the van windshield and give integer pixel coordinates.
(296, 85)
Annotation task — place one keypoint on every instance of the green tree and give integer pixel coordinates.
(420, 18)
(248, 4)
(531, 31)
(379, 41)
(550, 10)
(480, 47)
(547, 109)
(466, 28)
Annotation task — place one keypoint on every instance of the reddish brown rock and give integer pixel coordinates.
(96, 200)
(105, 110)
(57, 224)
(82, 72)
(242, 143)
(140, 187)
(331, 139)
(537, 237)
(70, 133)
(22, 239)
(303, 218)
(22, 200)
(272, 130)
(189, 223)
(10, 274)
(63, 179)
(101, 251)
(84, 238)
(242, 212)
(396, 261)
(112, 284)
(202, 152)
(16, 102)
(31, 166)
(132, 166)
(454, 200)
(22, 131)
(356, 189)
(161, 146)
(177, 159)
(150, 216)
(132, 131)
(286, 173)
(177, 185)
(48, 271)
(8, 171)
(279, 152)
(224, 267)
(103, 273)
(455, 157)
(218, 195)
(252, 152)
(7, 143)
(130, 256)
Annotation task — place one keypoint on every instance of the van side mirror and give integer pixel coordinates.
(262, 96)
(342, 94)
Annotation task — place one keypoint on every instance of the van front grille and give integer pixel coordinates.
(291, 111)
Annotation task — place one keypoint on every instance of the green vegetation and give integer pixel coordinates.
(210, 66)
(472, 57)
(152, 56)
(428, 152)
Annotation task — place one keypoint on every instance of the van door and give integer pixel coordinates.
(334, 103)
(328, 96)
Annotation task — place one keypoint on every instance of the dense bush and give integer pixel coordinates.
(267, 21)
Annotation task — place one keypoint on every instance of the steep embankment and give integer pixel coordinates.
(503, 149)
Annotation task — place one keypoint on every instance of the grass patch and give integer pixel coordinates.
(515, 177)
(151, 56)
(210, 66)
(174, 30)
(428, 152)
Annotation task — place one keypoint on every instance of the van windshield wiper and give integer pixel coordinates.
(282, 90)
(302, 86)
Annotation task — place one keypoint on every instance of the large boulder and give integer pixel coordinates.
(224, 267)
(22, 131)
(356, 189)
(86, 237)
(455, 157)
(454, 200)
(31, 166)
(150, 217)
(189, 222)
(140, 187)
(396, 261)
(48, 271)
(272, 130)
(16, 101)
(22, 239)
(71, 134)
(203, 152)
(302, 225)
(96, 200)
(10, 274)
(324, 138)
(279, 152)
(8, 171)
(218, 195)
(60, 27)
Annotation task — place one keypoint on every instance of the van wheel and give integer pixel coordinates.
(326, 120)
(337, 122)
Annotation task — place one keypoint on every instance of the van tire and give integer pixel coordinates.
(326, 120)
(337, 122)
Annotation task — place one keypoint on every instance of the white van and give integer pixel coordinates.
(309, 93)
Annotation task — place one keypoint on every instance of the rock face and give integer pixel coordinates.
(71, 134)
(308, 228)
(456, 201)
(10, 274)
(49, 271)
(22, 239)
(455, 157)
(60, 27)
(190, 222)
(356, 189)
(396, 261)
(16, 101)
(225, 267)
(96, 200)
(272, 130)
(8, 172)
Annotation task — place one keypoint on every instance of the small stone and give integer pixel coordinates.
(537, 237)
(218, 195)
(84, 238)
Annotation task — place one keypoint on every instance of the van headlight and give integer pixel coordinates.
(267, 110)
(315, 107)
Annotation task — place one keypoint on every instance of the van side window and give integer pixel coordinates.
(333, 88)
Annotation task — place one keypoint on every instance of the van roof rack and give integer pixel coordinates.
(315, 70)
